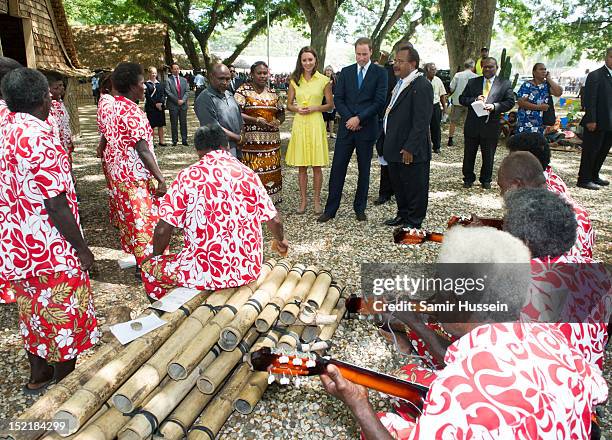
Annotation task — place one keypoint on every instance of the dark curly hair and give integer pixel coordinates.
(126, 75)
(6, 65)
(210, 137)
(543, 220)
(24, 90)
(535, 143)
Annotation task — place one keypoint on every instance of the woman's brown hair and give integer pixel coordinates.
(299, 70)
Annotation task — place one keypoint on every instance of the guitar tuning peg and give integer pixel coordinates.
(284, 359)
(271, 378)
(284, 380)
(296, 361)
(310, 363)
(297, 381)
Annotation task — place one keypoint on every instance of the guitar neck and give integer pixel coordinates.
(409, 391)
(407, 237)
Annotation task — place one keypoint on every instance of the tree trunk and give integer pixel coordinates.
(383, 27)
(468, 25)
(188, 45)
(320, 15)
(407, 36)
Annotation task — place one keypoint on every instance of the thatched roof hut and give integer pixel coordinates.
(103, 47)
(36, 33)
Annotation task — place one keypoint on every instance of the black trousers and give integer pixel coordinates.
(178, 114)
(385, 189)
(435, 127)
(343, 152)
(470, 149)
(411, 187)
(595, 148)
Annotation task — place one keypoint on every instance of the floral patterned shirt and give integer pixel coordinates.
(511, 381)
(220, 204)
(531, 121)
(127, 125)
(61, 117)
(33, 167)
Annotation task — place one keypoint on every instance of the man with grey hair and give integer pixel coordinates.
(457, 85)
(488, 363)
(439, 105)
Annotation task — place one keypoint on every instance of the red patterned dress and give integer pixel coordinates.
(585, 239)
(55, 301)
(61, 118)
(220, 204)
(7, 294)
(133, 184)
(508, 381)
(105, 108)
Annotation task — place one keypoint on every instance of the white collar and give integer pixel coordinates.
(365, 68)
(609, 70)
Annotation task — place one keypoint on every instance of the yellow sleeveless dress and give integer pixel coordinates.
(308, 143)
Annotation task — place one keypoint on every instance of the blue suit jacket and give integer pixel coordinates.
(366, 102)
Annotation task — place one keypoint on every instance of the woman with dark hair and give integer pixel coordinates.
(330, 116)
(155, 98)
(132, 164)
(533, 99)
(308, 143)
(43, 253)
(262, 114)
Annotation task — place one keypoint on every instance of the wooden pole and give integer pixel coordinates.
(292, 308)
(311, 332)
(315, 297)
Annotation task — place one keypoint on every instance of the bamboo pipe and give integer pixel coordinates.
(194, 350)
(266, 318)
(53, 435)
(233, 333)
(213, 376)
(291, 337)
(148, 377)
(311, 332)
(163, 402)
(218, 411)
(86, 400)
(317, 293)
(292, 307)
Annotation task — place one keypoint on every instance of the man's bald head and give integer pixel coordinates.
(220, 77)
(520, 170)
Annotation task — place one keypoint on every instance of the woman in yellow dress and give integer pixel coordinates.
(308, 143)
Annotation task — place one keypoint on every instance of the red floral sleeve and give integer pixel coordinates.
(173, 207)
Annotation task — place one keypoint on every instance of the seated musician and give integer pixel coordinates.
(536, 144)
(220, 205)
(501, 380)
(513, 173)
(573, 291)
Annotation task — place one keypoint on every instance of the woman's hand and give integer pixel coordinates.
(305, 110)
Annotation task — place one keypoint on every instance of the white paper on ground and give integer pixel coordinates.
(125, 333)
(175, 299)
(479, 109)
(382, 161)
(127, 262)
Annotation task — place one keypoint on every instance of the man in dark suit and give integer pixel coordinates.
(483, 131)
(407, 149)
(385, 190)
(597, 123)
(176, 101)
(359, 97)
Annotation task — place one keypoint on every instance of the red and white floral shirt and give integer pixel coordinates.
(554, 183)
(4, 112)
(511, 381)
(61, 117)
(576, 293)
(585, 234)
(104, 112)
(126, 126)
(33, 167)
(220, 204)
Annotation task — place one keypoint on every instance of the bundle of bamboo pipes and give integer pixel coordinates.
(187, 377)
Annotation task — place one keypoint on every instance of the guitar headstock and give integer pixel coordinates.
(459, 220)
(285, 365)
(408, 236)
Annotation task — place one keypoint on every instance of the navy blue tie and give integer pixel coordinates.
(360, 77)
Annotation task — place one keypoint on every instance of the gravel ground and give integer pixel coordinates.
(341, 244)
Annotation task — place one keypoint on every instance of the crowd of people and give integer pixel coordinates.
(221, 202)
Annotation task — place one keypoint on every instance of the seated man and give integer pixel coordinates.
(573, 291)
(500, 379)
(537, 145)
(220, 204)
(522, 170)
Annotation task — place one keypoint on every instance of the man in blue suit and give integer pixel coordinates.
(359, 98)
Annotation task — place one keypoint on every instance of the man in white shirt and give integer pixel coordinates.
(439, 105)
(457, 85)
(200, 83)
